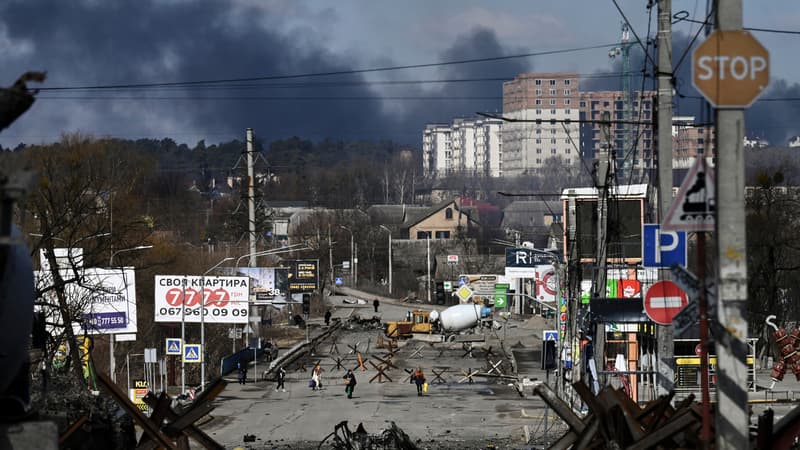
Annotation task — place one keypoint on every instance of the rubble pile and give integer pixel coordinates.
(357, 323)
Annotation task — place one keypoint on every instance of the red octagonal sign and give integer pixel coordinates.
(663, 301)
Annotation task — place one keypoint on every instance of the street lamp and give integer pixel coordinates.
(112, 361)
(203, 322)
(390, 257)
(352, 261)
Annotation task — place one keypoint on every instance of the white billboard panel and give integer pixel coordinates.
(177, 298)
(105, 297)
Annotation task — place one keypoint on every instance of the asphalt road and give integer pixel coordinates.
(461, 414)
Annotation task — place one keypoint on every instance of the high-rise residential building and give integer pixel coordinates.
(630, 136)
(689, 139)
(556, 123)
(547, 108)
(467, 146)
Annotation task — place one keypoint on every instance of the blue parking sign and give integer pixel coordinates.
(663, 248)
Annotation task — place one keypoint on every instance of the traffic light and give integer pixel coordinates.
(549, 355)
(306, 303)
(440, 297)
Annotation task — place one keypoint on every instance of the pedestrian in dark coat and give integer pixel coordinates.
(327, 318)
(375, 304)
(242, 372)
(281, 379)
(350, 380)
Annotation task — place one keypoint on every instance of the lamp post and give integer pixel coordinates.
(390, 256)
(352, 261)
(112, 361)
(203, 321)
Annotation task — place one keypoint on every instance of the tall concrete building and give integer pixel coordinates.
(630, 136)
(467, 146)
(548, 106)
(688, 139)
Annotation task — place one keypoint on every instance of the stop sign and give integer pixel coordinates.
(730, 68)
(663, 300)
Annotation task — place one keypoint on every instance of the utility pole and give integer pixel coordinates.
(732, 422)
(605, 172)
(664, 337)
(251, 213)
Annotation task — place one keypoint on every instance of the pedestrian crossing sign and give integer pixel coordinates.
(173, 346)
(191, 353)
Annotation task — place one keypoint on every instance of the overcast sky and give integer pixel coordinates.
(92, 43)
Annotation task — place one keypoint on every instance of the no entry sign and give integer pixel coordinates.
(663, 301)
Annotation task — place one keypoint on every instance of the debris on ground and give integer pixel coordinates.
(356, 322)
(392, 438)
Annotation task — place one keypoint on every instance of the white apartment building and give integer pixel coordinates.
(548, 105)
(467, 146)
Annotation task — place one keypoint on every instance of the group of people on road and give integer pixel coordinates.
(417, 378)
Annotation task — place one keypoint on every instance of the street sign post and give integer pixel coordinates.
(694, 208)
(173, 346)
(549, 335)
(663, 301)
(730, 68)
(663, 248)
(191, 353)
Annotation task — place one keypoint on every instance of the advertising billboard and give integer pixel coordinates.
(303, 275)
(177, 298)
(268, 285)
(105, 297)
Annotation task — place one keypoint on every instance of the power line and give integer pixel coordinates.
(329, 73)
(683, 16)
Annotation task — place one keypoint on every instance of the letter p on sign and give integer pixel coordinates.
(730, 68)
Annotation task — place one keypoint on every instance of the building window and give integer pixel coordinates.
(538, 141)
(566, 82)
(553, 141)
(583, 104)
(448, 213)
(552, 82)
(538, 82)
(538, 101)
(538, 160)
(553, 111)
(567, 151)
(538, 112)
(566, 141)
(538, 131)
(567, 102)
(552, 151)
(538, 91)
(538, 151)
(567, 111)
(552, 131)
(552, 101)
(442, 235)
(566, 91)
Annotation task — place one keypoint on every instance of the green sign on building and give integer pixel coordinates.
(500, 295)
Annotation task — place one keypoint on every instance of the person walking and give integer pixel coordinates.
(314, 380)
(375, 304)
(281, 379)
(419, 380)
(317, 373)
(327, 318)
(242, 372)
(350, 383)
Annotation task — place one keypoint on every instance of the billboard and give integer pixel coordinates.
(177, 298)
(303, 275)
(105, 297)
(268, 285)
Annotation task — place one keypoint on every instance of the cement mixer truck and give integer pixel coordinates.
(434, 326)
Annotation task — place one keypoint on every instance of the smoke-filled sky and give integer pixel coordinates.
(144, 63)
